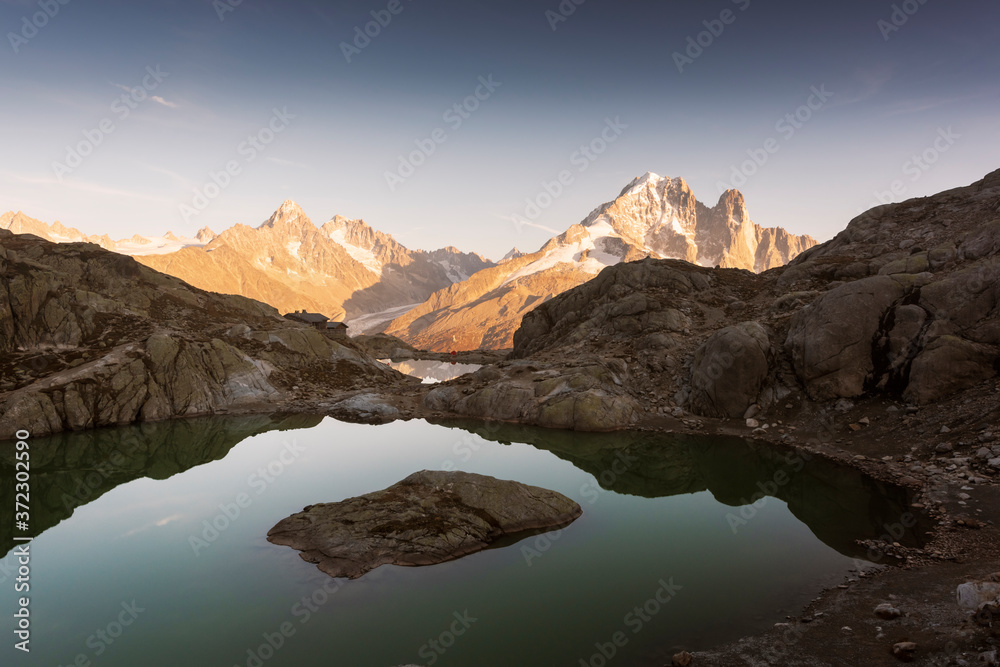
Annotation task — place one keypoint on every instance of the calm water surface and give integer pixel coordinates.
(125, 517)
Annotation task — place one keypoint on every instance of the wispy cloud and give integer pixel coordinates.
(86, 187)
(287, 163)
(911, 106)
(155, 98)
(866, 84)
(166, 103)
(187, 183)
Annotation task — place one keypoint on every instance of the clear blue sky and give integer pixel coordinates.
(894, 94)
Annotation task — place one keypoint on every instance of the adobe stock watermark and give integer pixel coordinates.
(915, 167)
(31, 25)
(303, 610)
(775, 651)
(105, 637)
(795, 462)
(562, 13)
(465, 448)
(258, 481)
(363, 35)
(900, 16)
(121, 108)
(714, 28)
(435, 648)
(248, 150)
(635, 620)
(454, 116)
(223, 7)
(787, 127)
(893, 532)
(581, 159)
(87, 487)
(592, 490)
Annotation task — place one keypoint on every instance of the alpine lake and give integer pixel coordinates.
(150, 546)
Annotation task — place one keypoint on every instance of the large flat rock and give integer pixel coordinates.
(428, 518)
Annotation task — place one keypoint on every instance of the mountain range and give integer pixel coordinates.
(445, 299)
(654, 216)
(342, 269)
(19, 223)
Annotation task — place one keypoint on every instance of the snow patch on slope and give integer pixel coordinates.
(361, 255)
(375, 322)
(157, 245)
(454, 273)
(572, 253)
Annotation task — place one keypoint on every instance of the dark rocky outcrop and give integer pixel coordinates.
(428, 518)
(830, 340)
(586, 394)
(905, 302)
(729, 370)
(90, 338)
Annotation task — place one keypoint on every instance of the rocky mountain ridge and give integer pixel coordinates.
(904, 303)
(344, 268)
(652, 217)
(92, 338)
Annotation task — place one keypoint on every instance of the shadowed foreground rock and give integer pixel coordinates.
(428, 518)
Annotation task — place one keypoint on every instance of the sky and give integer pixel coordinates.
(486, 125)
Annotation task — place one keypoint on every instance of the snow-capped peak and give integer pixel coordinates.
(640, 182)
(513, 254)
(205, 234)
(287, 213)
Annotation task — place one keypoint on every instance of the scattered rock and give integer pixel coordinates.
(904, 650)
(977, 595)
(364, 409)
(887, 611)
(682, 659)
(843, 405)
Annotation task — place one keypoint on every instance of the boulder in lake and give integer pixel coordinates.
(428, 518)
